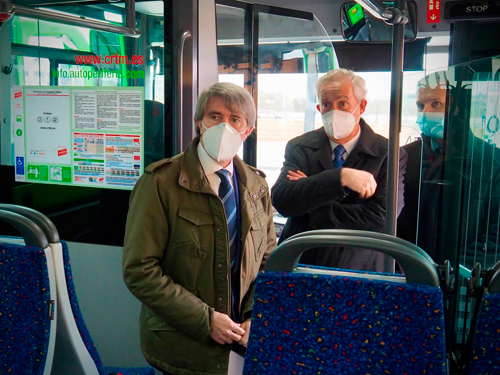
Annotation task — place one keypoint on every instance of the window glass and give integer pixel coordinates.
(73, 58)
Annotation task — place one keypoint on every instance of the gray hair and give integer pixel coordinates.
(339, 75)
(236, 98)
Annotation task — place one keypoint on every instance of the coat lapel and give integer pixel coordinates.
(367, 144)
(318, 140)
(324, 155)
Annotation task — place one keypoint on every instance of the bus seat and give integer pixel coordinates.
(485, 358)
(325, 321)
(70, 300)
(75, 352)
(28, 317)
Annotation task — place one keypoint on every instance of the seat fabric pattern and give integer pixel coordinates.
(324, 324)
(24, 310)
(486, 348)
(84, 332)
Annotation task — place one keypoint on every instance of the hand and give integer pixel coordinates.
(246, 326)
(294, 176)
(224, 330)
(361, 182)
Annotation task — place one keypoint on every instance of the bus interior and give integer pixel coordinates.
(276, 49)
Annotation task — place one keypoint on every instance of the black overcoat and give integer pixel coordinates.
(320, 202)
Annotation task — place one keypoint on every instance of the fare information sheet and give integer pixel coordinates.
(79, 136)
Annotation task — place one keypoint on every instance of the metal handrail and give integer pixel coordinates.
(46, 15)
(31, 233)
(178, 129)
(367, 234)
(418, 269)
(42, 221)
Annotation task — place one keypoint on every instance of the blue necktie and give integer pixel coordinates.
(338, 159)
(228, 197)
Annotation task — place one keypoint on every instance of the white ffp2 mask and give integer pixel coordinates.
(221, 141)
(339, 124)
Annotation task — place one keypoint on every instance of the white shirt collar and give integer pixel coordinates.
(349, 146)
(209, 165)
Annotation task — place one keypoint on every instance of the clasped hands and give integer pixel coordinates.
(225, 331)
(361, 182)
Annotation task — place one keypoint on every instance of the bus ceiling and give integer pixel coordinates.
(9, 9)
(328, 13)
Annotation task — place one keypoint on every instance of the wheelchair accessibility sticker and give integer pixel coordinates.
(20, 165)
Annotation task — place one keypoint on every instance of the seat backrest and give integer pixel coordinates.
(75, 352)
(486, 347)
(485, 357)
(28, 314)
(76, 325)
(343, 323)
(70, 355)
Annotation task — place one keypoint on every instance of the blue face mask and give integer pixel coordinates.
(431, 124)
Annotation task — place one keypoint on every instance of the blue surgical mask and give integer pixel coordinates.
(431, 124)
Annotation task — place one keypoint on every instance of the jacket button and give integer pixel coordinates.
(250, 208)
(254, 196)
(220, 299)
(218, 366)
(218, 229)
(219, 265)
(262, 190)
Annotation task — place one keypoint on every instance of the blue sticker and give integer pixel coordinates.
(20, 165)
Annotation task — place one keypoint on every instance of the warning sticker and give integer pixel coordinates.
(433, 11)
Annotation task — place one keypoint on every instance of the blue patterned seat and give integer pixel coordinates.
(82, 327)
(485, 358)
(25, 307)
(316, 322)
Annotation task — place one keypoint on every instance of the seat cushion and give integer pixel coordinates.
(324, 324)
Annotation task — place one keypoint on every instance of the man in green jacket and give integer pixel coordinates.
(199, 229)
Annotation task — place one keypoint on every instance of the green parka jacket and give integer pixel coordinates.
(176, 259)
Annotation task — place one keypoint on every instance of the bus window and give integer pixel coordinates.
(36, 71)
(293, 49)
(79, 60)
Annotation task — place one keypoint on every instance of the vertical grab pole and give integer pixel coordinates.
(179, 100)
(395, 121)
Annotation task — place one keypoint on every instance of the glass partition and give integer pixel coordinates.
(459, 187)
(102, 81)
(290, 50)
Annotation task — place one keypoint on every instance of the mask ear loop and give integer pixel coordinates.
(352, 113)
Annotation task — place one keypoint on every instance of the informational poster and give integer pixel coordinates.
(85, 136)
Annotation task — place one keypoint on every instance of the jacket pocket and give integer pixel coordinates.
(192, 227)
(258, 231)
(157, 323)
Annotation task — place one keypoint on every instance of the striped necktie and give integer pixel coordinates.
(228, 197)
(338, 159)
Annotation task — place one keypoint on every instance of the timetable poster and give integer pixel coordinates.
(82, 136)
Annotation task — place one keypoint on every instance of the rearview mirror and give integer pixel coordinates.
(359, 26)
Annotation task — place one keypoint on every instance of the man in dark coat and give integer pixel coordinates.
(335, 177)
(425, 180)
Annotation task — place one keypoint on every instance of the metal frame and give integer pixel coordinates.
(45, 15)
